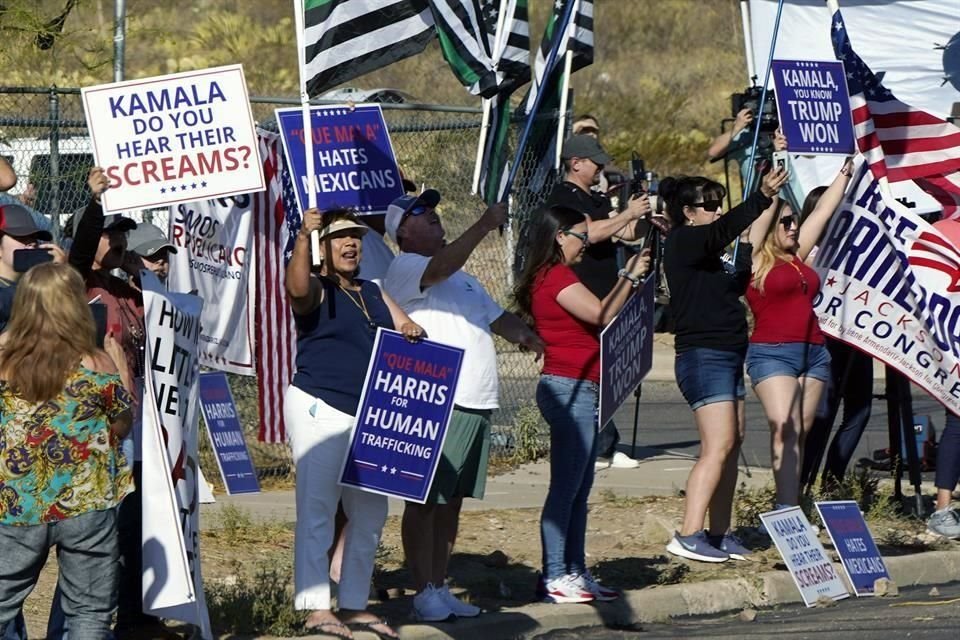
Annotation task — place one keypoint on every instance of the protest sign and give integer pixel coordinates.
(805, 557)
(176, 138)
(851, 538)
(172, 584)
(814, 106)
(213, 239)
(402, 419)
(354, 163)
(626, 350)
(226, 434)
(890, 288)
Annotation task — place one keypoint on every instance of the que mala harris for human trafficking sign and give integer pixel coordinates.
(402, 420)
(175, 138)
(813, 106)
(353, 160)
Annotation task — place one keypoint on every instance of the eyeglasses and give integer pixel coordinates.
(584, 238)
(790, 221)
(709, 205)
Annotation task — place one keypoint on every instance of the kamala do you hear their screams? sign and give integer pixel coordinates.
(176, 138)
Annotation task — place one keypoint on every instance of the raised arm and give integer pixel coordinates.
(623, 224)
(720, 145)
(813, 227)
(88, 229)
(761, 226)
(451, 258)
(579, 302)
(306, 292)
(717, 235)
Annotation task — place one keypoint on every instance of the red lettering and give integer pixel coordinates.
(126, 174)
(186, 167)
(178, 235)
(113, 175)
(213, 165)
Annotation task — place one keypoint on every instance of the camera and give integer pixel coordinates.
(750, 99)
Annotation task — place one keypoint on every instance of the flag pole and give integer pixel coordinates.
(298, 16)
(497, 53)
(748, 39)
(564, 90)
(521, 146)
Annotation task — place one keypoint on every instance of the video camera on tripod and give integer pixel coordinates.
(766, 116)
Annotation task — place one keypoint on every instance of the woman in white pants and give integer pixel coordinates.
(337, 316)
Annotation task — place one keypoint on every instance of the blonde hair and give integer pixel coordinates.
(51, 329)
(770, 252)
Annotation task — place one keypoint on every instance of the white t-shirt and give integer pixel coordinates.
(375, 257)
(458, 312)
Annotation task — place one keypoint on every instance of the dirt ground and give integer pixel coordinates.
(495, 564)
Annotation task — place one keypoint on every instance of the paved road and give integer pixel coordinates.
(915, 614)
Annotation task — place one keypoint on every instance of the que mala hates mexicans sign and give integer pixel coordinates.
(175, 138)
(814, 107)
(891, 287)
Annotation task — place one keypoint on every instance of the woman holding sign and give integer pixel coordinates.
(787, 361)
(711, 342)
(337, 316)
(567, 316)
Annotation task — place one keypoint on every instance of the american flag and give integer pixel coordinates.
(898, 141)
(276, 221)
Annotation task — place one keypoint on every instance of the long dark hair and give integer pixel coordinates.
(543, 252)
(686, 191)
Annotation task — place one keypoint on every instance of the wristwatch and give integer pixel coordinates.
(634, 280)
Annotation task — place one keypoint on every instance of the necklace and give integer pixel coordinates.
(803, 281)
(359, 303)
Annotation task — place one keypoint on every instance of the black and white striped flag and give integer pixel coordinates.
(345, 39)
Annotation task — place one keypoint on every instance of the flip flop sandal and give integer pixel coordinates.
(323, 627)
(368, 625)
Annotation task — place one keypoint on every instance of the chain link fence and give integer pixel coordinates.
(43, 136)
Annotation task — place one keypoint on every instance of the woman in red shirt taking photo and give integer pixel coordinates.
(568, 318)
(787, 360)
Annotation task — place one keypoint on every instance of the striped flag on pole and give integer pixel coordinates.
(275, 343)
(898, 141)
(345, 39)
(467, 30)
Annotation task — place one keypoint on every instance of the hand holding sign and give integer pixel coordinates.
(97, 181)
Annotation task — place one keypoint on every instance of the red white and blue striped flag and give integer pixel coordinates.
(276, 221)
(898, 141)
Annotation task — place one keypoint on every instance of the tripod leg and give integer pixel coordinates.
(636, 420)
(894, 430)
(910, 438)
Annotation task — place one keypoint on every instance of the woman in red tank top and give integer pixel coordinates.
(787, 361)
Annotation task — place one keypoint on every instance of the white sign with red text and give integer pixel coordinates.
(176, 138)
(213, 238)
(891, 288)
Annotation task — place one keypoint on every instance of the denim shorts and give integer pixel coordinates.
(706, 376)
(794, 359)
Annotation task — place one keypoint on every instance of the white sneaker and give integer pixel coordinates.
(566, 590)
(621, 460)
(430, 606)
(460, 608)
(601, 464)
(600, 592)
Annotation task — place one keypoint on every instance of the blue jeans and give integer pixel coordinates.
(87, 553)
(793, 359)
(570, 408)
(706, 376)
(948, 453)
(851, 382)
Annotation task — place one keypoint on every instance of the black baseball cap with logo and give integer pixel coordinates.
(16, 220)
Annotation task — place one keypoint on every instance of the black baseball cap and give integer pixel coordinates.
(584, 146)
(111, 222)
(16, 220)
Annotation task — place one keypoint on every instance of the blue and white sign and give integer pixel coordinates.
(814, 106)
(805, 557)
(226, 434)
(354, 163)
(851, 538)
(626, 350)
(402, 420)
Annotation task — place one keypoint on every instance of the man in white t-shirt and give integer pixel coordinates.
(426, 279)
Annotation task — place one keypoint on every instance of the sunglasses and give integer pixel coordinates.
(576, 234)
(586, 131)
(709, 205)
(790, 221)
(418, 210)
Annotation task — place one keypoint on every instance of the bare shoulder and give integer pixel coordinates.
(100, 362)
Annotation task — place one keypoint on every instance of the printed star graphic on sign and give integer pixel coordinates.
(831, 281)
(203, 184)
(172, 189)
(393, 471)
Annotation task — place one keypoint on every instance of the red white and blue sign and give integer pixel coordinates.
(403, 415)
(814, 106)
(626, 350)
(354, 163)
(226, 434)
(861, 559)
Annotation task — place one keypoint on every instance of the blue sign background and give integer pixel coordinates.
(353, 157)
(226, 434)
(626, 350)
(397, 460)
(814, 106)
(851, 538)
